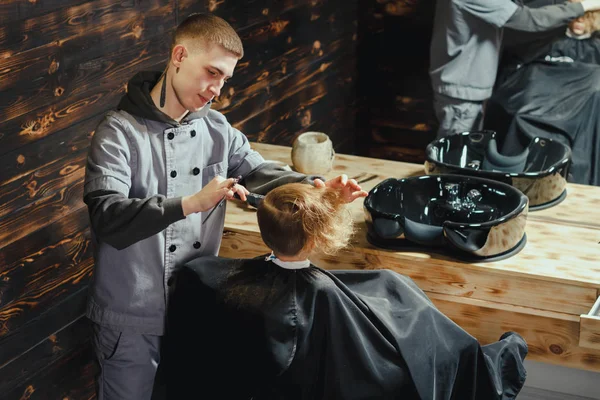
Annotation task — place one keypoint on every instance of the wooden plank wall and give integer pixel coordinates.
(63, 63)
(396, 117)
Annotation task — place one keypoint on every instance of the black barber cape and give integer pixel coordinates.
(242, 329)
(552, 90)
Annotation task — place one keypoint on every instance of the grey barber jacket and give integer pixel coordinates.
(467, 38)
(159, 162)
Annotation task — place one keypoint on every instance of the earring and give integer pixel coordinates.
(163, 90)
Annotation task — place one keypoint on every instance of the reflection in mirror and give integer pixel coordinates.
(548, 86)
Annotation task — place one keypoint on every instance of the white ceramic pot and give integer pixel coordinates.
(312, 153)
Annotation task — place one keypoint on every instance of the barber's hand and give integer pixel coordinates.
(349, 189)
(211, 194)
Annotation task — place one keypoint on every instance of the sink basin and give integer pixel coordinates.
(539, 171)
(470, 217)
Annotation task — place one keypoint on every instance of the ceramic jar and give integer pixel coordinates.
(312, 153)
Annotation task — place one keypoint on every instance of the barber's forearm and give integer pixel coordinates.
(545, 18)
(269, 176)
(121, 222)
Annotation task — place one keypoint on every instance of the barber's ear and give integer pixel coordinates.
(178, 54)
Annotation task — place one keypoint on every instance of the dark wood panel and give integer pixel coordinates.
(402, 133)
(402, 113)
(403, 71)
(57, 262)
(393, 61)
(265, 93)
(17, 342)
(95, 87)
(22, 35)
(42, 170)
(107, 71)
(21, 165)
(67, 373)
(296, 40)
(40, 123)
(253, 12)
(82, 51)
(373, 12)
(406, 154)
(389, 87)
(43, 183)
(15, 10)
(321, 105)
(263, 102)
(23, 311)
(403, 121)
(41, 213)
(298, 53)
(50, 239)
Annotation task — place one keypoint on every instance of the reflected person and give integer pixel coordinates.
(465, 49)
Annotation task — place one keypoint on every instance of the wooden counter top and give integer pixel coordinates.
(544, 292)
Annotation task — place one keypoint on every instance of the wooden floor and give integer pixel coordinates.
(540, 394)
(526, 394)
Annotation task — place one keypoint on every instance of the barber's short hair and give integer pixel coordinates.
(210, 28)
(297, 215)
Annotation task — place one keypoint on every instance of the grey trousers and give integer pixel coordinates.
(128, 364)
(456, 115)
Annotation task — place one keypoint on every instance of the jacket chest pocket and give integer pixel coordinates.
(212, 170)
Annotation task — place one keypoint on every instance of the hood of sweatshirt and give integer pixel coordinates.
(138, 101)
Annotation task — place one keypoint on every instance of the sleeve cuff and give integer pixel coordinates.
(106, 183)
(173, 209)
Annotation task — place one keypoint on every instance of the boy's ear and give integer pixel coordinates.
(309, 247)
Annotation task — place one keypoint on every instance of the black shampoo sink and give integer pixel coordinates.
(475, 218)
(539, 170)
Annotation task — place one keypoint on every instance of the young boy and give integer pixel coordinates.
(279, 327)
(156, 167)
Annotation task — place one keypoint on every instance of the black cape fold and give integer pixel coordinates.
(248, 328)
(551, 88)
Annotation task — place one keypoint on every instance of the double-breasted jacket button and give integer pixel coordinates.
(172, 248)
(196, 171)
(170, 135)
(197, 245)
(173, 174)
(193, 133)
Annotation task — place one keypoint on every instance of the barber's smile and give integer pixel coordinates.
(203, 99)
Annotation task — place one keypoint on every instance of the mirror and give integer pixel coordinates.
(548, 85)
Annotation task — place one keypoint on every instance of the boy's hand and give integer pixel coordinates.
(349, 189)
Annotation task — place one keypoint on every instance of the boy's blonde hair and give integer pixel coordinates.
(210, 28)
(296, 217)
(591, 21)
